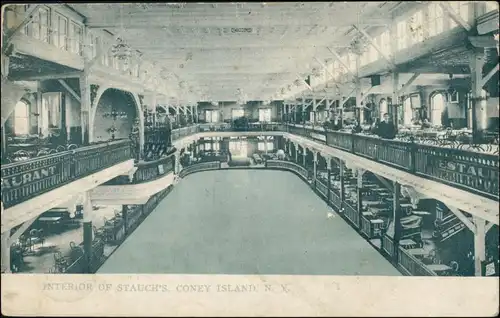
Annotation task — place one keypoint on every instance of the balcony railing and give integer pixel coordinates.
(24, 180)
(388, 245)
(469, 170)
(411, 265)
(321, 187)
(335, 199)
(351, 213)
(204, 166)
(286, 165)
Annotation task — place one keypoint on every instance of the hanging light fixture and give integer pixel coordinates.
(121, 50)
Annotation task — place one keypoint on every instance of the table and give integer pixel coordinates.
(417, 251)
(407, 243)
(438, 267)
(421, 213)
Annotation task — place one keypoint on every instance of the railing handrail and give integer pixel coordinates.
(65, 153)
(144, 164)
(415, 261)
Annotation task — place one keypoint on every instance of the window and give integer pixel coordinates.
(213, 145)
(312, 117)
(52, 105)
(415, 27)
(364, 59)
(383, 108)
(21, 118)
(462, 9)
(351, 62)
(402, 35)
(436, 19)
(372, 53)
(407, 112)
(212, 116)
(264, 115)
(76, 38)
(437, 108)
(491, 6)
(39, 26)
(265, 146)
(237, 113)
(105, 59)
(385, 43)
(61, 32)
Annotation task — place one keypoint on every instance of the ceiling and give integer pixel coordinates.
(231, 51)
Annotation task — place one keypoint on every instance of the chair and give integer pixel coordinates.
(60, 148)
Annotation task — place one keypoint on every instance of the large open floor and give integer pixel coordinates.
(245, 222)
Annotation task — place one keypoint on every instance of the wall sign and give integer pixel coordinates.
(481, 178)
(26, 178)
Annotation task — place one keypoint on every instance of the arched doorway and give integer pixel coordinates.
(21, 124)
(114, 115)
(383, 108)
(437, 108)
(407, 112)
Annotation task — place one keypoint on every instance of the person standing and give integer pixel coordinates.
(386, 128)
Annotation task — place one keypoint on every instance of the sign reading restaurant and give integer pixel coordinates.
(26, 178)
(471, 175)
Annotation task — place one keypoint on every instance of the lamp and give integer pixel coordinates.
(114, 114)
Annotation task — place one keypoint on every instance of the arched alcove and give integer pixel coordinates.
(114, 115)
(383, 108)
(437, 108)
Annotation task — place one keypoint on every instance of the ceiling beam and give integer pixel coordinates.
(339, 58)
(28, 16)
(147, 21)
(455, 16)
(70, 90)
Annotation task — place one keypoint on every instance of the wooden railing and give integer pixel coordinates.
(351, 213)
(24, 180)
(204, 166)
(411, 265)
(335, 199)
(472, 171)
(322, 188)
(287, 165)
(388, 245)
(149, 171)
(366, 227)
(183, 132)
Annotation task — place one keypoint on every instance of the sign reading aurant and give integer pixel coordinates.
(28, 177)
(481, 178)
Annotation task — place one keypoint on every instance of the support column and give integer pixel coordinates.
(479, 245)
(315, 166)
(397, 218)
(6, 252)
(395, 99)
(476, 67)
(342, 184)
(87, 231)
(329, 174)
(85, 100)
(315, 106)
(87, 131)
(177, 164)
(359, 93)
(359, 189)
(296, 153)
(304, 157)
(125, 218)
